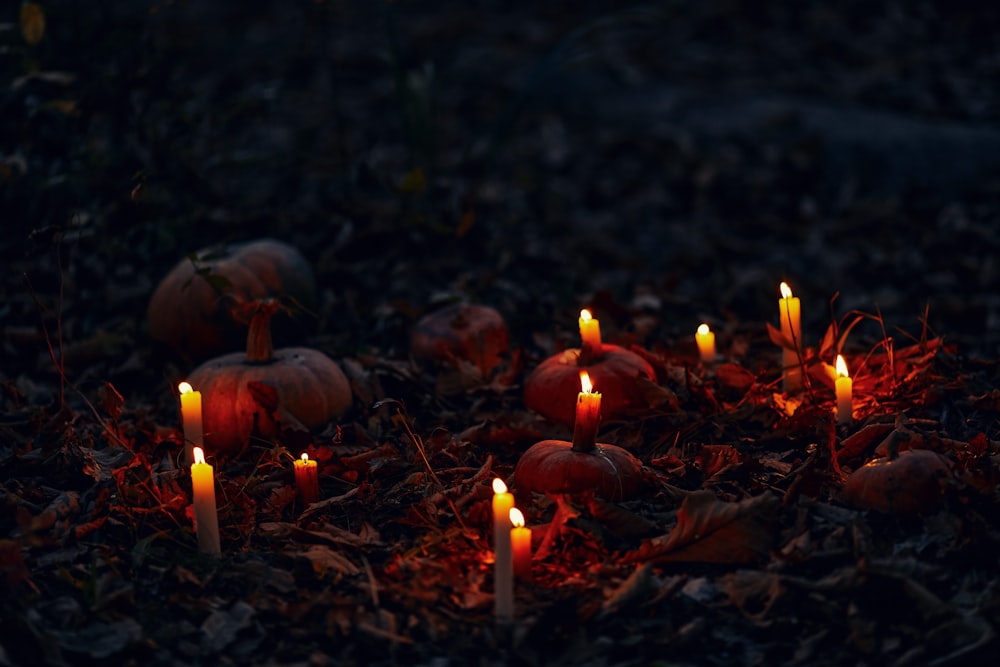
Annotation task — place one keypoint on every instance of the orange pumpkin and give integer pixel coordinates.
(191, 310)
(911, 483)
(474, 333)
(551, 388)
(265, 389)
(554, 466)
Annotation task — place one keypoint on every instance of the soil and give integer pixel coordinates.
(662, 164)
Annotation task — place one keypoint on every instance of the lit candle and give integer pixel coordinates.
(306, 480)
(590, 335)
(588, 413)
(706, 343)
(190, 418)
(206, 520)
(845, 392)
(788, 307)
(520, 545)
(503, 572)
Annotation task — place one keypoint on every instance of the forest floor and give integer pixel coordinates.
(662, 164)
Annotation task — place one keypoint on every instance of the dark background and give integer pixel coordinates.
(665, 163)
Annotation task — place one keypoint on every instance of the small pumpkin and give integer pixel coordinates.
(554, 466)
(191, 310)
(474, 333)
(552, 386)
(558, 466)
(265, 389)
(911, 482)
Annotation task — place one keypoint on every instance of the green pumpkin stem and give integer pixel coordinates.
(260, 348)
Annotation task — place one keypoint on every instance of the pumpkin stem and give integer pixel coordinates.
(260, 348)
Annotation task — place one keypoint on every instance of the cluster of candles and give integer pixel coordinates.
(511, 548)
(206, 518)
(511, 537)
(789, 314)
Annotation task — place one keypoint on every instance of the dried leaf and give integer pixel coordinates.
(778, 338)
(618, 520)
(639, 586)
(222, 626)
(712, 531)
(734, 377)
(101, 640)
(324, 560)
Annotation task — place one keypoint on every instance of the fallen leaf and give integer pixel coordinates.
(709, 530)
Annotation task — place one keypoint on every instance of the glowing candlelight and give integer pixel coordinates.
(520, 544)
(791, 328)
(190, 418)
(503, 572)
(206, 520)
(590, 335)
(706, 343)
(306, 480)
(845, 392)
(588, 414)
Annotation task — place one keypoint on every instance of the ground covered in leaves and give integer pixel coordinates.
(663, 164)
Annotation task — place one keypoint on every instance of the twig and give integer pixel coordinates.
(61, 368)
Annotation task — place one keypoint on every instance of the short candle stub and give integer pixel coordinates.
(844, 387)
(706, 344)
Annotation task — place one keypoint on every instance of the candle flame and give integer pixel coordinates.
(199, 455)
(185, 388)
(585, 315)
(499, 486)
(841, 367)
(786, 291)
(703, 329)
(305, 456)
(585, 384)
(516, 517)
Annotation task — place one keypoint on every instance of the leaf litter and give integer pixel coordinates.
(740, 548)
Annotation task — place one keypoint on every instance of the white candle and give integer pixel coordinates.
(190, 419)
(503, 572)
(791, 328)
(845, 392)
(590, 335)
(520, 545)
(206, 519)
(706, 343)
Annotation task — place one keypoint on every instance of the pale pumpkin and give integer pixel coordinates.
(618, 374)
(191, 310)
(554, 466)
(470, 332)
(911, 483)
(264, 390)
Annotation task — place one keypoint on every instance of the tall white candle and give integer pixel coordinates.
(791, 328)
(206, 518)
(503, 571)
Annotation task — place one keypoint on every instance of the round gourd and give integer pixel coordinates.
(474, 333)
(554, 466)
(191, 310)
(617, 373)
(265, 389)
(911, 483)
